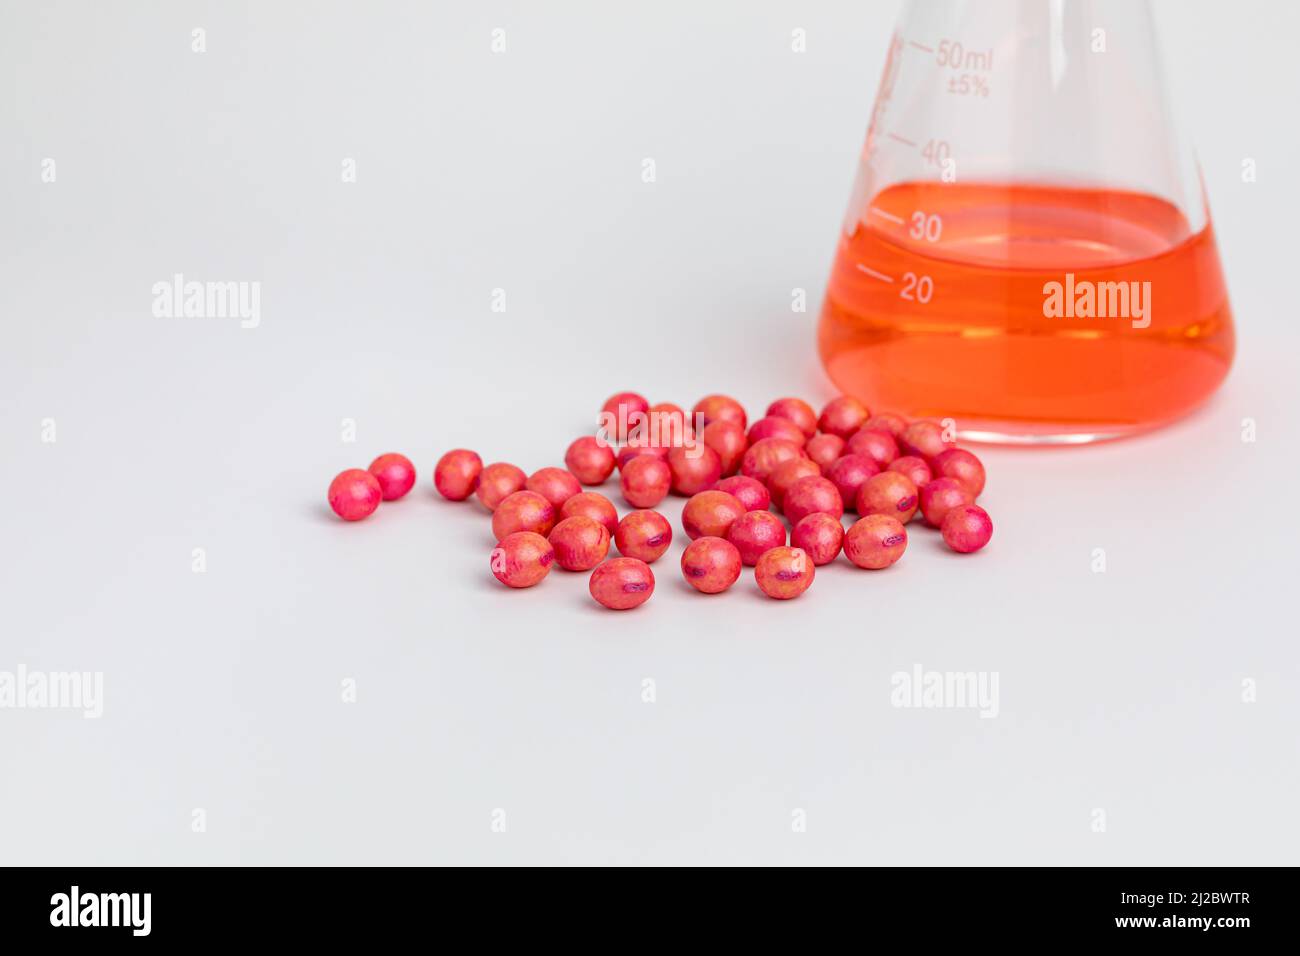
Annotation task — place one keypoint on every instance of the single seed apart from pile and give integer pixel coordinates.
(694, 468)
(590, 460)
(621, 584)
(498, 482)
(888, 493)
(645, 481)
(915, 468)
(522, 559)
(354, 494)
(754, 533)
(784, 573)
(580, 543)
(721, 408)
(523, 511)
(456, 476)
(797, 411)
(849, 474)
(875, 542)
(959, 464)
(819, 534)
(644, 535)
(941, 495)
(813, 495)
(395, 474)
(967, 528)
(824, 449)
(593, 505)
(751, 492)
(710, 514)
(554, 484)
(784, 476)
(842, 416)
(711, 565)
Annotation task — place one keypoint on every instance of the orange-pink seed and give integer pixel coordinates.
(645, 481)
(457, 474)
(819, 534)
(784, 573)
(522, 559)
(888, 493)
(590, 460)
(755, 533)
(711, 565)
(644, 535)
(797, 411)
(875, 542)
(784, 476)
(824, 449)
(523, 511)
(843, 416)
(710, 514)
(593, 505)
(813, 495)
(580, 543)
(621, 584)
(497, 482)
(354, 494)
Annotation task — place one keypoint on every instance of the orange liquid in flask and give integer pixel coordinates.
(940, 303)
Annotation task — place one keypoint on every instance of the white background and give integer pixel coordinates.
(1119, 691)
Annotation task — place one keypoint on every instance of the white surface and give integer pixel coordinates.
(1119, 691)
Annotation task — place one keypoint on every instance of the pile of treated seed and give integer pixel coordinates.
(810, 468)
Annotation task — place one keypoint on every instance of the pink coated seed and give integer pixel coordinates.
(523, 511)
(711, 565)
(824, 449)
(842, 416)
(765, 455)
(590, 460)
(644, 535)
(925, 439)
(797, 411)
(621, 584)
(755, 533)
(728, 440)
(784, 573)
(496, 483)
(880, 447)
(967, 528)
(669, 425)
(849, 474)
(940, 496)
(622, 413)
(522, 559)
(354, 494)
(710, 514)
(695, 468)
(457, 474)
(875, 542)
(960, 464)
(716, 408)
(395, 474)
(784, 476)
(914, 467)
(773, 427)
(888, 493)
(887, 422)
(593, 505)
(813, 495)
(645, 481)
(554, 484)
(821, 535)
(580, 543)
(751, 492)
(631, 451)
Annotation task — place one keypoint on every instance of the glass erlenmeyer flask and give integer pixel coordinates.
(1028, 248)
